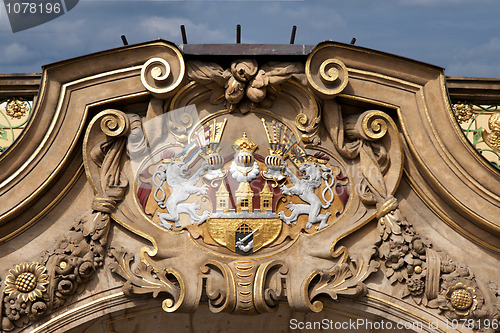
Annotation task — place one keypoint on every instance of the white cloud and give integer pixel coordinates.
(481, 60)
(14, 53)
(169, 28)
(318, 16)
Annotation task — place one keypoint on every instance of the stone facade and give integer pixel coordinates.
(259, 187)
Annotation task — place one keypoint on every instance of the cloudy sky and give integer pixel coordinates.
(463, 36)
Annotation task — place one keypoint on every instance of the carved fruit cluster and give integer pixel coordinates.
(405, 261)
(30, 293)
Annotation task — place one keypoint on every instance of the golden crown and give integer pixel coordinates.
(244, 144)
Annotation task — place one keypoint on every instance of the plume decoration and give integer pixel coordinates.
(280, 139)
(208, 137)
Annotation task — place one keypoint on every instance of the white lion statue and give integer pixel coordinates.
(182, 188)
(304, 188)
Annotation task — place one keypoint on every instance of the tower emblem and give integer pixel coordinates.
(249, 223)
(221, 189)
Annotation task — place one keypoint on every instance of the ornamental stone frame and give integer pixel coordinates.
(134, 195)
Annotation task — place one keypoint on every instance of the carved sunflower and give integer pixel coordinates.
(17, 108)
(27, 281)
(461, 299)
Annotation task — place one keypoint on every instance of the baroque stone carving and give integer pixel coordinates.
(227, 202)
(162, 76)
(429, 277)
(36, 289)
(245, 78)
(327, 76)
(492, 137)
(147, 279)
(289, 170)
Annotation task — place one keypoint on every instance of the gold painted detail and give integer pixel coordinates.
(147, 278)
(223, 231)
(463, 112)
(492, 137)
(27, 281)
(244, 287)
(17, 108)
(374, 124)
(162, 76)
(344, 279)
(326, 75)
(481, 126)
(114, 123)
(244, 144)
(430, 278)
(461, 298)
(14, 116)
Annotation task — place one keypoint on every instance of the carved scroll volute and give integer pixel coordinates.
(326, 75)
(269, 288)
(162, 76)
(108, 127)
(219, 286)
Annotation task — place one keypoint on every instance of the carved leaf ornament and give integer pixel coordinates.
(228, 199)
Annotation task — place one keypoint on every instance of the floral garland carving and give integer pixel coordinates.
(431, 278)
(32, 290)
(408, 260)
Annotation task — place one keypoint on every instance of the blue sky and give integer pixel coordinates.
(463, 36)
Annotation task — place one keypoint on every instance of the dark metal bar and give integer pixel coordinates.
(124, 40)
(183, 33)
(238, 34)
(292, 37)
(353, 41)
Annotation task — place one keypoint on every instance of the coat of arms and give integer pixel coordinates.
(242, 191)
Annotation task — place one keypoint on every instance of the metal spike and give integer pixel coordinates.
(292, 37)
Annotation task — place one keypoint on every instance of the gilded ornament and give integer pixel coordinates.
(244, 144)
(461, 299)
(114, 123)
(27, 281)
(492, 137)
(326, 75)
(17, 108)
(162, 76)
(374, 124)
(463, 112)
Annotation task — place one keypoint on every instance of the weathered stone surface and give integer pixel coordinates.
(155, 187)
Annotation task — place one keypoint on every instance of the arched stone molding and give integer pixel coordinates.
(356, 145)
